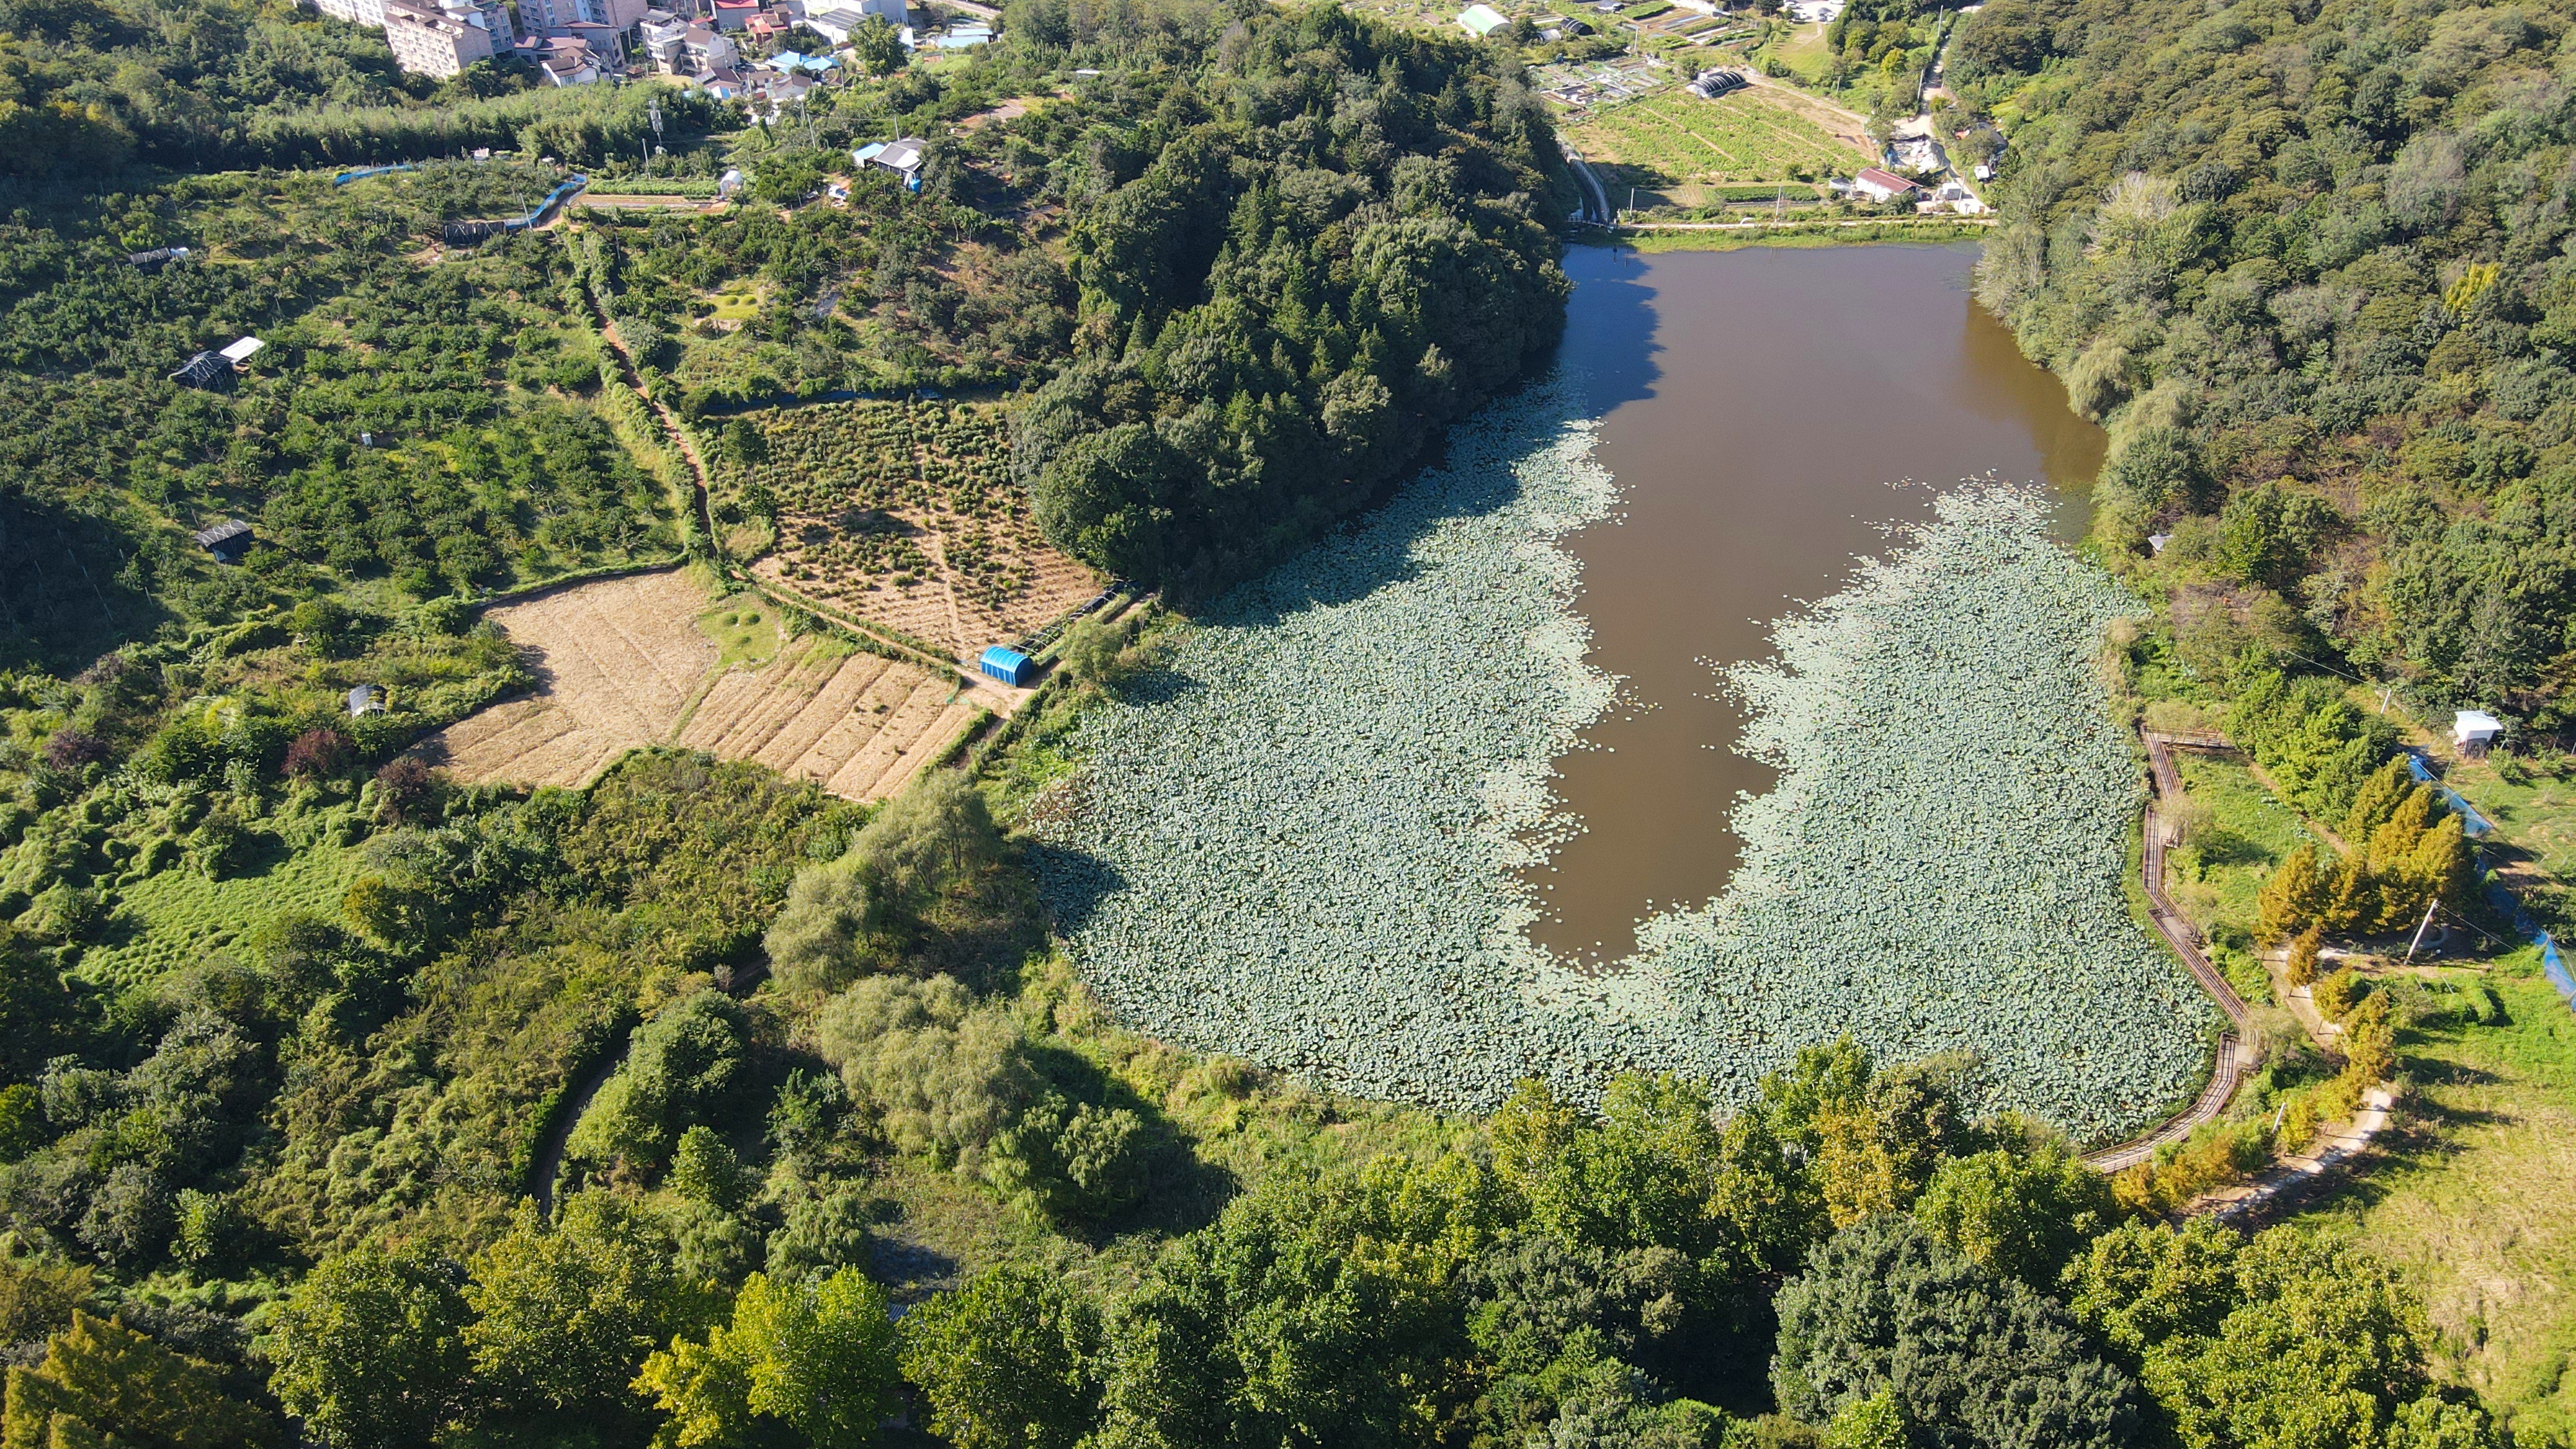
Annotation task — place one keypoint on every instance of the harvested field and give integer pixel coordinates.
(622, 663)
(857, 725)
(904, 515)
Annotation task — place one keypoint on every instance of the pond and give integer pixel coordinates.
(1756, 406)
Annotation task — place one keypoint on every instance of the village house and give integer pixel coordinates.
(902, 157)
(1878, 185)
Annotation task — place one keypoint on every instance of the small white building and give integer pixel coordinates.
(1880, 185)
(2472, 731)
(366, 699)
(1481, 20)
(240, 353)
(836, 23)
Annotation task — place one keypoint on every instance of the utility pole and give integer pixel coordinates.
(2421, 928)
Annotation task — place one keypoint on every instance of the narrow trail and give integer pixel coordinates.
(671, 429)
(2170, 923)
(549, 1160)
(2291, 1174)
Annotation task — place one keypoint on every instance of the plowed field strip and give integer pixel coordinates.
(767, 702)
(872, 717)
(834, 706)
(877, 768)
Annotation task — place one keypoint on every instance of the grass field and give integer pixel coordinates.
(2472, 1202)
(179, 916)
(2240, 835)
(2532, 800)
(744, 629)
(1674, 138)
(1806, 53)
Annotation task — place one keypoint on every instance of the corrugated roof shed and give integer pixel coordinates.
(206, 369)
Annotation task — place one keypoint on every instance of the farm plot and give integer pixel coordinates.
(1300, 846)
(857, 725)
(903, 515)
(1675, 137)
(623, 663)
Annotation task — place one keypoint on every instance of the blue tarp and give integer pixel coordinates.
(554, 198)
(363, 172)
(2557, 969)
(2472, 824)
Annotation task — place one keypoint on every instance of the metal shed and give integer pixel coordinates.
(227, 540)
(1008, 665)
(206, 369)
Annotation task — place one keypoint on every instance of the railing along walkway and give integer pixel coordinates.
(2170, 923)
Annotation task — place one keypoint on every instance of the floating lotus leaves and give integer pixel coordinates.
(1295, 845)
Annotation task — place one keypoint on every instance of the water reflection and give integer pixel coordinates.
(1756, 406)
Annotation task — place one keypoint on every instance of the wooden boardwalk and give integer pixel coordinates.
(2229, 1070)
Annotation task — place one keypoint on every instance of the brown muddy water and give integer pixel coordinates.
(1756, 408)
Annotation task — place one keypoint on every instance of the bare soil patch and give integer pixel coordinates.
(623, 663)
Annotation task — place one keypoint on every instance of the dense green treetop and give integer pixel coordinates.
(2306, 259)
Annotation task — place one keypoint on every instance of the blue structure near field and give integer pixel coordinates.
(1009, 666)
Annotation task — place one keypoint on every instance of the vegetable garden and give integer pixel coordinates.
(900, 514)
(1675, 137)
(1296, 845)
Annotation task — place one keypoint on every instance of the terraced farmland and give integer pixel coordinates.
(904, 515)
(1673, 137)
(621, 663)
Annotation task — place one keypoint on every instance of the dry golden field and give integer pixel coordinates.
(625, 662)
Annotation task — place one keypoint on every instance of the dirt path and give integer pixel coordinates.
(679, 436)
(549, 1161)
(2338, 1144)
(1863, 221)
(2291, 1177)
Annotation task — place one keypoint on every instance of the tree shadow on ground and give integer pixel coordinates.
(62, 602)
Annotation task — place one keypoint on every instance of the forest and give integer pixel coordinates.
(2306, 261)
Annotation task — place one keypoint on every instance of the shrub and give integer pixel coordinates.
(406, 793)
(316, 754)
(69, 749)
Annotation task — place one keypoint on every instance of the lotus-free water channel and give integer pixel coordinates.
(1755, 406)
